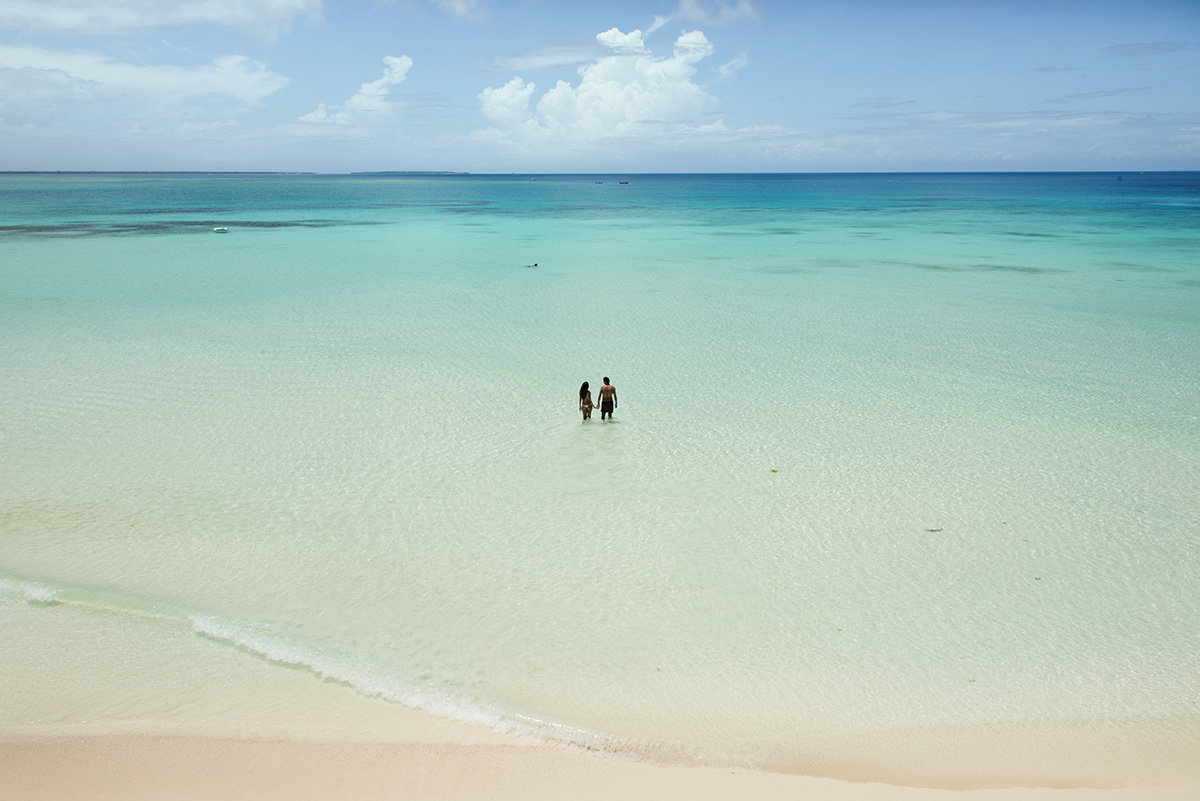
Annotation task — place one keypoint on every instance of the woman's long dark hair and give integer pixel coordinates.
(583, 390)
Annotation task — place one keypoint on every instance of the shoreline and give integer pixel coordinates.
(286, 732)
(97, 767)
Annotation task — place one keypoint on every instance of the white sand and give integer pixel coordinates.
(129, 767)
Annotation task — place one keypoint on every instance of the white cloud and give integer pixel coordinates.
(626, 94)
(730, 67)
(508, 105)
(543, 57)
(264, 17)
(1003, 123)
(622, 42)
(372, 98)
(692, 46)
(321, 115)
(80, 74)
(716, 13)
(658, 23)
(85, 102)
(612, 40)
(459, 8)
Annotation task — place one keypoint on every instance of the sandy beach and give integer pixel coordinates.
(278, 733)
(132, 766)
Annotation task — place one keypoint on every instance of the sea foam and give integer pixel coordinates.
(31, 591)
(264, 640)
(268, 641)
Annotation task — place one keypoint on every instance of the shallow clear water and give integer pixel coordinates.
(891, 451)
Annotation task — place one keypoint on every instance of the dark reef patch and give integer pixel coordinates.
(79, 229)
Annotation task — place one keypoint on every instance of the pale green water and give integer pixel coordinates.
(888, 453)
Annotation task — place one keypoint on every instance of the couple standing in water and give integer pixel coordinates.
(608, 400)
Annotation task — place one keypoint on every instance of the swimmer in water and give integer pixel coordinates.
(608, 399)
(585, 402)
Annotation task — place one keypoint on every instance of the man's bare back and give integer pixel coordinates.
(608, 399)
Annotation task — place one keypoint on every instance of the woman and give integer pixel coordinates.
(585, 401)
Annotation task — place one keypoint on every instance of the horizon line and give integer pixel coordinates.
(458, 173)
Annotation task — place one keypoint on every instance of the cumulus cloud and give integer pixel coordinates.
(627, 93)
(692, 46)
(508, 105)
(372, 98)
(264, 17)
(622, 42)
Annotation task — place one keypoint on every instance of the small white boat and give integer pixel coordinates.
(221, 230)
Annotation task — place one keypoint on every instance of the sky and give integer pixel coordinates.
(498, 86)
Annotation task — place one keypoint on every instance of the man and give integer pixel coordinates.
(608, 399)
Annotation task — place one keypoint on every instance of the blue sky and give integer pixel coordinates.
(553, 86)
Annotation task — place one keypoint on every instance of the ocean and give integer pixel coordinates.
(897, 459)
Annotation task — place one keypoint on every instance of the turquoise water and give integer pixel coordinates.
(893, 453)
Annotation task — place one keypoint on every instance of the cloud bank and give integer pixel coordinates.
(81, 76)
(262, 17)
